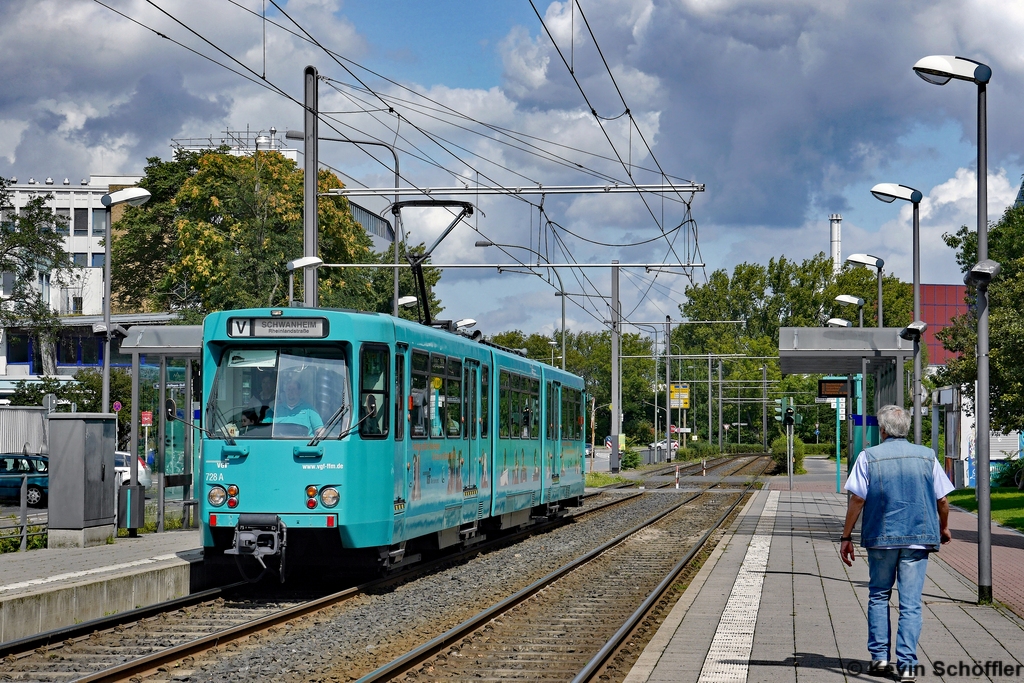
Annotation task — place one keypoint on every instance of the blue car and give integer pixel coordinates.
(12, 467)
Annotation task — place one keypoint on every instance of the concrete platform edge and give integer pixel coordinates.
(649, 658)
(67, 604)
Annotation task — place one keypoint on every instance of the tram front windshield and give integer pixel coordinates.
(279, 393)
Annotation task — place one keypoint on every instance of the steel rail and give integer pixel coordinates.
(598, 661)
(435, 645)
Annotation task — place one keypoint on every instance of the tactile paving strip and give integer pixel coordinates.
(729, 656)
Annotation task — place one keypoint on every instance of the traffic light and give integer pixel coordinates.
(789, 416)
(781, 404)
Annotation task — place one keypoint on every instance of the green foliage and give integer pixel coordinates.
(1006, 321)
(779, 452)
(10, 539)
(382, 287)
(219, 230)
(598, 479)
(31, 243)
(1007, 472)
(630, 459)
(820, 448)
(86, 392)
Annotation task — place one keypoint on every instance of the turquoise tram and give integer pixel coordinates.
(332, 434)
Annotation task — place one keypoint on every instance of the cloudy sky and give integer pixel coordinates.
(788, 111)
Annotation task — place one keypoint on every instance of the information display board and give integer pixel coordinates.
(679, 395)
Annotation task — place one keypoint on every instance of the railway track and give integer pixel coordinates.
(568, 624)
(127, 646)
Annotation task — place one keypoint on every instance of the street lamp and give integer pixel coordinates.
(871, 262)
(846, 299)
(132, 196)
(561, 289)
(553, 344)
(839, 322)
(939, 70)
(299, 135)
(890, 192)
(299, 264)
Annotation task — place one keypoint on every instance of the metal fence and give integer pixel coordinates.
(24, 524)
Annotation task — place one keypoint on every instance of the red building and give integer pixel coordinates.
(939, 304)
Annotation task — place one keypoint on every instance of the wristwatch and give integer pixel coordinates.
(845, 538)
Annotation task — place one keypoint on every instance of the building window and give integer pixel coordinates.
(97, 259)
(76, 305)
(17, 348)
(7, 283)
(63, 219)
(80, 260)
(99, 222)
(81, 222)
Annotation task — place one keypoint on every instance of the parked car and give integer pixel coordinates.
(123, 468)
(588, 450)
(12, 467)
(661, 444)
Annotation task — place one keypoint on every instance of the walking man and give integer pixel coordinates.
(902, 492)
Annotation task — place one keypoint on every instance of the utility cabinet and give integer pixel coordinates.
(81, 487)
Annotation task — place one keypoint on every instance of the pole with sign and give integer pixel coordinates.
(835, 390)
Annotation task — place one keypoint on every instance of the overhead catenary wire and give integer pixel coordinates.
(259, 79)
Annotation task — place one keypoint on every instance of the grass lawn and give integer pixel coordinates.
(1007, 505)
(596, 479)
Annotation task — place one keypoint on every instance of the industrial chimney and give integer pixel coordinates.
(835, 231)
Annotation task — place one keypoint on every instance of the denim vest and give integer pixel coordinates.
(900, 507)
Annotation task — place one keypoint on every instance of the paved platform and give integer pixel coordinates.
(46, 589)
(774, 602)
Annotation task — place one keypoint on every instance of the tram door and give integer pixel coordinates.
(402, 463)
(471, 383)
(555, 427)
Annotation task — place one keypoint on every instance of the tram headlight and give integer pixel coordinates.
(329, 496)
(217, 496)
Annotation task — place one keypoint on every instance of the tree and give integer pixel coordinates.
(381, 290)
(1006, 321)
(240, 221)
(32, 250)
(147, 237)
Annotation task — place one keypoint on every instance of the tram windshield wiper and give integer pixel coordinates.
(321, 433)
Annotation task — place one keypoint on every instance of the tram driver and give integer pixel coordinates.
(293, 409)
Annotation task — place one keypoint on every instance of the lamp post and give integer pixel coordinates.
(561, 289)
(847, 300)
(939, 70)
(553, 344)
(298, 135)
(871, 262)
(299, 264)
(890, 192)
(132, 196)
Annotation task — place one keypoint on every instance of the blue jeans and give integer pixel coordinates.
(905, 568)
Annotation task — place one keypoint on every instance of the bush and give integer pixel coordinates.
(779, 454)
(10, 538)
(820, 449)
(630, 459)
(1006, 472)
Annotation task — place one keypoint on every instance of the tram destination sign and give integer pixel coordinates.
(278, 328)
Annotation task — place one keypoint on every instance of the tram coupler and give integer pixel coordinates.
(259, 536)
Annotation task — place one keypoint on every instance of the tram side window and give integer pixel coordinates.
(504, 405)
(453, 400)
(485, 397)
(373, 391)
(517, 409)
(420, 394)
(437, 396)
(399, 396)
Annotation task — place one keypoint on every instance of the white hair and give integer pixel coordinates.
(895, 421)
